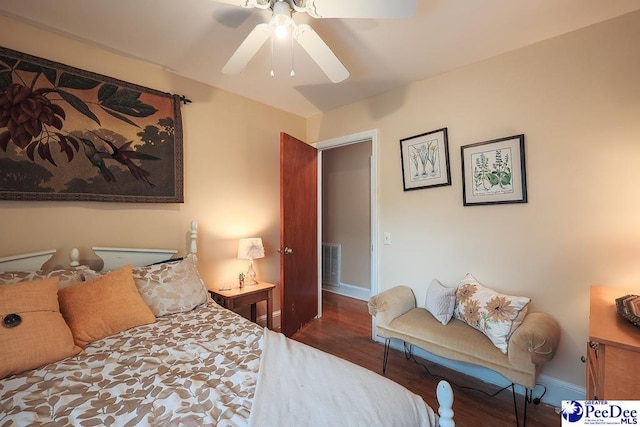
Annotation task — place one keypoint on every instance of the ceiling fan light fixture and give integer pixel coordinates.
(281, 20)
(281, 23)
(282, 31)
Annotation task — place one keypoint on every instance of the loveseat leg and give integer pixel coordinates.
(385, 356)
(408, 350)
(528, 394)
(527, 398)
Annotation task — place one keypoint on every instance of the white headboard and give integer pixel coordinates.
(113, 257)
(26, 262)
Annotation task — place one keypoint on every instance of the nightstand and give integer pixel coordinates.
(249, 294)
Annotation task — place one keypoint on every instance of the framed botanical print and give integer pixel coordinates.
(494, 172)
(425, 160)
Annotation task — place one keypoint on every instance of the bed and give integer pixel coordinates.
(184, 360)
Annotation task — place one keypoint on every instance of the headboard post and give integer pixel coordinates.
(444, 394)
(74, 256)
(193, 249)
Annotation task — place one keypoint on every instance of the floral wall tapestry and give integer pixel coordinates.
(69, 134)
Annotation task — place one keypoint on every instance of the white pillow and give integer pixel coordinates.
(492, 313)
(440, 301)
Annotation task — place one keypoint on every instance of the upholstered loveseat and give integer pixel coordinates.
(529, 347)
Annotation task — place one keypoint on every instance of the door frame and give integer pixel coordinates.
(368, 135)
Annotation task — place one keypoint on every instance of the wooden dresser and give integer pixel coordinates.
(613, 350)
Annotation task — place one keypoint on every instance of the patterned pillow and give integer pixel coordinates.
(440, 301)
(104, 306)
(494, 314)
(171, 287)
(65, 277)
(33, 332)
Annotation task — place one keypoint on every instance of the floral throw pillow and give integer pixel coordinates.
(171, 287)
(492, 313)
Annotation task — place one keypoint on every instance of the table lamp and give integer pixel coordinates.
(250, 249)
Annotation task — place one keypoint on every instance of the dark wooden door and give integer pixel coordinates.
(298, 233)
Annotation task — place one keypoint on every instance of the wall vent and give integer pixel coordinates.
(331, 263)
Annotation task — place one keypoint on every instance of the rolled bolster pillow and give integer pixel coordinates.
(392, 303)
(538, 335)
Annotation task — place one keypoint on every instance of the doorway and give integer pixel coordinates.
(358, 288)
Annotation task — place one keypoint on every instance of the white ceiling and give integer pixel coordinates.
(195, 38)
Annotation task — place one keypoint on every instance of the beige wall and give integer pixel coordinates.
(346, 209)
(231, 155)
(577, 99)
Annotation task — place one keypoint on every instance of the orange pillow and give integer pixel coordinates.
(40, 335)
(104, 306)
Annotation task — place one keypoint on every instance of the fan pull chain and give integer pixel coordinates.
(292, 73)
(272, 73)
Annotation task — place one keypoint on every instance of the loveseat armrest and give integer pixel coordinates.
(535, 341)
(391, 303)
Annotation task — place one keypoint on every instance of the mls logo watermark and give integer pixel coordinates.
(600, 412)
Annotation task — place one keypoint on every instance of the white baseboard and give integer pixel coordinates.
(556, 390)
(347, 290)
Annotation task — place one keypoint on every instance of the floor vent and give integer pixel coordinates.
(331, 263)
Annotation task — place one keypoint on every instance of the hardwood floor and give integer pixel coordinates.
(345, 331)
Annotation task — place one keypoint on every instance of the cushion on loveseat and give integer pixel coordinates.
(456, 340)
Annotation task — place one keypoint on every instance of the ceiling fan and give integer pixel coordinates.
(281, 23)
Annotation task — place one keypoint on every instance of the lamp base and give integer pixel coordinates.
(251, 275)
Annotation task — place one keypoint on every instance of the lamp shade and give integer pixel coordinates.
(250, 248)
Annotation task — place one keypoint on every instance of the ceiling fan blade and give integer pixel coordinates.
(361, 8)
(249, 47)
(320, 53)
(241, 3)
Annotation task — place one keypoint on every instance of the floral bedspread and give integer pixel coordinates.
(190, 369)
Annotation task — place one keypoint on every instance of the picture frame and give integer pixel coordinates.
(68, 134)
(425, 160)
(494, 172)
